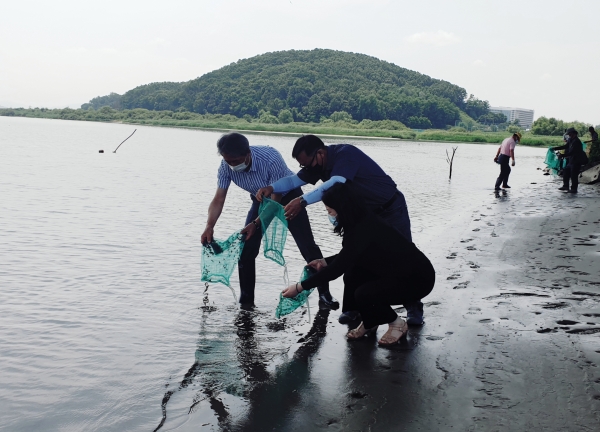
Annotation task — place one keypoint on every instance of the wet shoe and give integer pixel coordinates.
(497, 189)
(326, 301)
(361, 331)
(564, 188)
(414, 314)
(506, 187)
(398, 330)
(348, 317)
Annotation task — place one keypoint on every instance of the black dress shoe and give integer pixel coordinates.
(564, 188)
(349, 317)
(326, 301)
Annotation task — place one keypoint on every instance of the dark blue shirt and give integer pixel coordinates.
(365, 177)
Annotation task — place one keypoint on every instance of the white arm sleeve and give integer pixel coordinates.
(317, 194)
(286, 184)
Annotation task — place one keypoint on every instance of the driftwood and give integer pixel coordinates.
(450, 160)
(124, 140)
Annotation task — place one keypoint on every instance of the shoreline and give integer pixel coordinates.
(377, 134)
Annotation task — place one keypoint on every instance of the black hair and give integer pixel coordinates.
(308, 144)
(350, 208)
(591, 128)
(233, 144)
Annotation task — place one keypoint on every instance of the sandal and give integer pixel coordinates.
(398, 330)
(360, 331)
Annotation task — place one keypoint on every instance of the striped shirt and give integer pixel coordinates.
(267, 167)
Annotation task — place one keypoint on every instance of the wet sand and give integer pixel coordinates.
(511, 340)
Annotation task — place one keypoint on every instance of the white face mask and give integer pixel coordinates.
(240, 167)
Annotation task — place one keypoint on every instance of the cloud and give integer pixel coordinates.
(478, 63)
(439, 38)
(546, 77)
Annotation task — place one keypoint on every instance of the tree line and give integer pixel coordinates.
(308, 86)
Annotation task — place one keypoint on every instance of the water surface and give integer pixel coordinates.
(102, 317)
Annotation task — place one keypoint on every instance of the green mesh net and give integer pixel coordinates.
(288, 305)
(220, 257)
(552, 161)
(274, 227)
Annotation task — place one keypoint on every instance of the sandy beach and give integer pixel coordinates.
(511, 340)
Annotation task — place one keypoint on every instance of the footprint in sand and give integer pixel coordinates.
(452, 255)
(476, 229)
(471, 248)
(453, 277)
(461, 285)
(466, 241)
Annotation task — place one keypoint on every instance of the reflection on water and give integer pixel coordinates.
(104, 324)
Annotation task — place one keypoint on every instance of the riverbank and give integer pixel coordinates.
(365, 129)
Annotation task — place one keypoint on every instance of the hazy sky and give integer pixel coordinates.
(542, 55)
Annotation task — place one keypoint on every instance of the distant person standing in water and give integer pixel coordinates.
(345, 163)
(505, 152)
(252, 168)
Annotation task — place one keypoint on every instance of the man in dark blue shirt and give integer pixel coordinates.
(344, 163)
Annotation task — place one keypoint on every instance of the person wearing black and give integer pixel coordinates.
(345, 163)
(594, 151)
(575, 158)
(398, 272)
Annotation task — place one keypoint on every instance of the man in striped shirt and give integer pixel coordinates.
(253, 168)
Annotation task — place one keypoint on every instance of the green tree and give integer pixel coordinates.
(285, 116)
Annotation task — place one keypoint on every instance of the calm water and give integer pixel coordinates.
(101, 318)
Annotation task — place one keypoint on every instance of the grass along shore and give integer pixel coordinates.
(366, 128)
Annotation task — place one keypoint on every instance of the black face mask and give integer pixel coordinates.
(317, 168)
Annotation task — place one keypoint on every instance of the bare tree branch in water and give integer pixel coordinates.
(124, 140)
(450, 160)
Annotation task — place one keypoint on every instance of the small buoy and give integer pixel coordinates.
(101, 151)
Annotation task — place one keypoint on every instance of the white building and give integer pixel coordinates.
(525, 116)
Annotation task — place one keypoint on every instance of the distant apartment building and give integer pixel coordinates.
(525, 116)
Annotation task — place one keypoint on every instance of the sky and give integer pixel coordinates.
(541, 55)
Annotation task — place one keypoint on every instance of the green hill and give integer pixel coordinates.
(310, 85)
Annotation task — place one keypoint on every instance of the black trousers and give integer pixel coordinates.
(504, 170)
(571, 172)
(373, 296)
(301, 231)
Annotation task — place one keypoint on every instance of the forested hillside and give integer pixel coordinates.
(308, 86)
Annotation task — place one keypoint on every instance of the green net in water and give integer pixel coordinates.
(274, 227)
(552, 161)
(219, 259)
(288, 305)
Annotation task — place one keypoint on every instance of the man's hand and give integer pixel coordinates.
(264, 192)
(318, 264)
(293, 208)
(249, 230)
(207, 235)
(513, 163)
(496, 159)
(292, 290)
